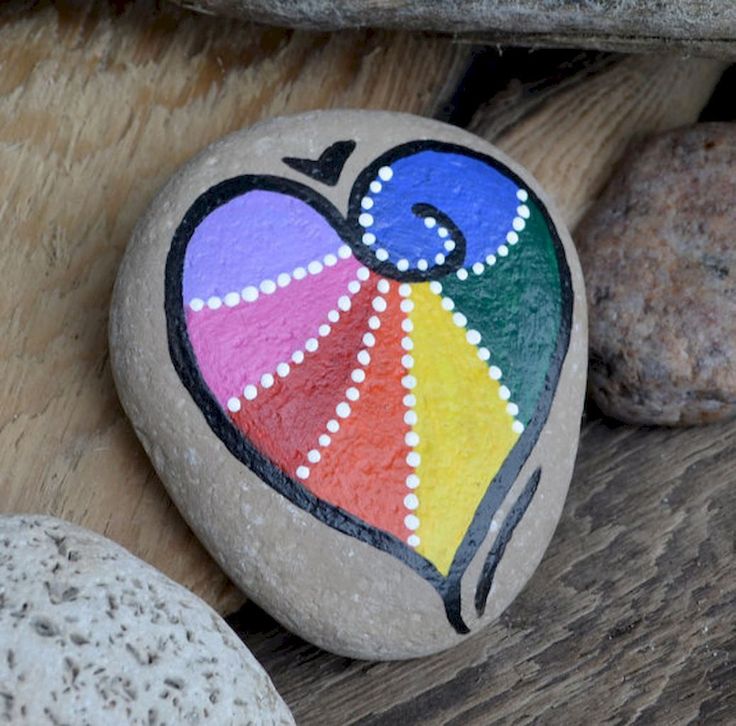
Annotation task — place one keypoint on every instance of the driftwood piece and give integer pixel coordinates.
(571, 139)
(705, 27)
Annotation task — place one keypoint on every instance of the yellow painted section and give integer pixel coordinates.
(464, 430)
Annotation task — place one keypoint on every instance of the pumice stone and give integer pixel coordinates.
(91, 635)
(354, 346)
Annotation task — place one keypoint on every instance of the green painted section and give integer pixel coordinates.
(516, 307)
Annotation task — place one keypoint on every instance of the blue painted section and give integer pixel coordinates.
(479, 200)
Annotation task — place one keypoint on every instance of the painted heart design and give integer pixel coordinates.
(389, 371)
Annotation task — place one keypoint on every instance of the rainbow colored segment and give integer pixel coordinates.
(464, 427)
(396, 401)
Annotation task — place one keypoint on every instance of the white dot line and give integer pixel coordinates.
(411, 438)
(343, 409)
(250, 392)
(232, 299)
(474, 338)
(233, 404)
(251, 293)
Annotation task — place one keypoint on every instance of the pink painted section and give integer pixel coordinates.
(236, 346)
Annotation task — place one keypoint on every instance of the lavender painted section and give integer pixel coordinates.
(252, 238)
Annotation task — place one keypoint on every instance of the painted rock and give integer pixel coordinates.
(658, 254)
(353, 344)
(89, 634)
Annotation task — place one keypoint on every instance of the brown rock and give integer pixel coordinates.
(660, 264)
(707, 27)
(354, 345)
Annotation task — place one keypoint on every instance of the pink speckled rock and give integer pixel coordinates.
(660, 267)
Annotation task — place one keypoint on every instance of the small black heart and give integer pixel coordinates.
(328, 167)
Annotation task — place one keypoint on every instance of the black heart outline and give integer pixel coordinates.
(184, 361)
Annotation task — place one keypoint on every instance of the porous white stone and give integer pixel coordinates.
(90, 634)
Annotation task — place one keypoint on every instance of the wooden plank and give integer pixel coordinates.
(630, 617)
(696, 27)
(98, 106)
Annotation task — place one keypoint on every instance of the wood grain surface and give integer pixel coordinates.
(571, 137)
(99, 104)
(631, 616)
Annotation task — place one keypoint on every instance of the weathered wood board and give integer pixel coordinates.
(572, 139)
(97, 108)
(705, 27)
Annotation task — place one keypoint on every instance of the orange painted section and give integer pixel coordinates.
(364, 468)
